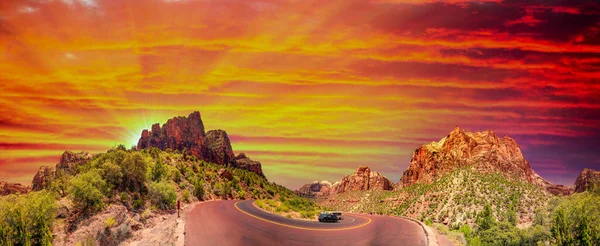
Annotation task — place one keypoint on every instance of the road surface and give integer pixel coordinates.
(234, 222)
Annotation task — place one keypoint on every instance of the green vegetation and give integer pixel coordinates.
(27, 219)
(87, 191)
(135, 179)
(293, 207)
(162, 195)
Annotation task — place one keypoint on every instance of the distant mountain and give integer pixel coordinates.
(482, 151)
(187, 134)
(587, 179)
(362, 179)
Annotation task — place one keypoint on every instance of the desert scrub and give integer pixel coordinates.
(87, 191)
(110, 222)
(162, 195)
(185, 195)
(27, 219)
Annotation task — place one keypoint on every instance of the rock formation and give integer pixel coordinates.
(43, 178)
(363, 179)
(219, 148)
(187, 134)
(7, 188)
(68, 164)
(316, 189)
(587, 179)
(224, 174)
(483, 151)
(244, 162)
(70, 160)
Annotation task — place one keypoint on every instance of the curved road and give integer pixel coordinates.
(240, 223)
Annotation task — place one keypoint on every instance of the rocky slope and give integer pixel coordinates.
(187, 134)
(7, 188)
(587, 179)
(483, 151)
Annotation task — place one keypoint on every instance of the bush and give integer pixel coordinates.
(87, 191)
(162, 195)
(27, 219)
(112, 173)
(158, 171)
(186, 195)
(199, 189)
(109, 222)
(134, 168)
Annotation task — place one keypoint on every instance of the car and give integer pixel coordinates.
(338, 214)
(327, 217)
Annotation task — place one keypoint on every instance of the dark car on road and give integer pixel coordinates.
(327, 217)
(338, 214)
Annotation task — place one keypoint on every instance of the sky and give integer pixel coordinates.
(312, 89)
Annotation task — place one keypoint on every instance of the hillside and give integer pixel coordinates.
(483, 151)
(455, 199)
(130, 195)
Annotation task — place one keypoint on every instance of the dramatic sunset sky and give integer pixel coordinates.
(312, 89)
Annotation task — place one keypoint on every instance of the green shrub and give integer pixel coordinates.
(109, 222)
(158, 171)
(162, 195)
(27, 219)
(124, 198)
(138, 204)
(186, 195)
(134, 168)
(199, 189)
(87, 191)
(112, 173)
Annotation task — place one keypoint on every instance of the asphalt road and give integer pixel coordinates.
(240, 223)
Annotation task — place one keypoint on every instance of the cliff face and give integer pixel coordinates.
(7, 188)
(187, 133)
(363, 179)
(316, 189)
(483, 151)
(68, 164)
(587, 179)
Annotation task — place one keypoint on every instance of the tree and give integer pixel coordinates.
(134, 169)
(561, 229)
(112, 173)
(583, 232)
(485, 219)
(199, 189)
(158, 171)
(87, 191)
(162, 195)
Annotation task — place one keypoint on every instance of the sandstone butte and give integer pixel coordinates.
(483, 151)
(362, 179)
(187, 134)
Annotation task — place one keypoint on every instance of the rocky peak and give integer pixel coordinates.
(587, 179)
(244, 162)
(483, 151)
(43, 177)
(187, 133)
(219, 148)
(363, 179)
(70, 160)
(7, 188)
(315, 189)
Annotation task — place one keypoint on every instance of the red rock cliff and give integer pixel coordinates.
(7, 188)
(187, 133)
(586, 179)
(363, 179)
(483, 151)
